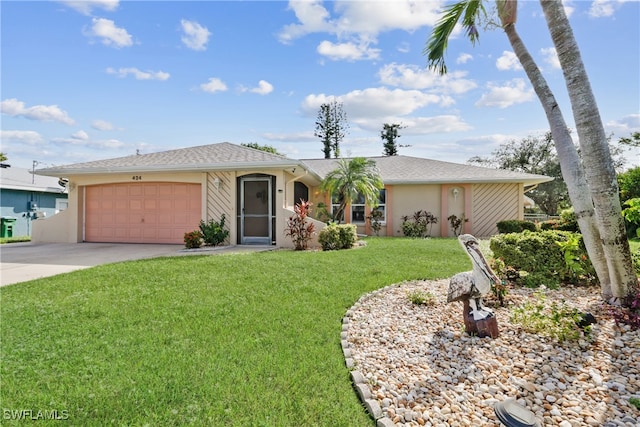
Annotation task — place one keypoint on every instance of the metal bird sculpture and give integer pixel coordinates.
(469, 287)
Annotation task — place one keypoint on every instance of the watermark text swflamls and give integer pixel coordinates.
(34, 415)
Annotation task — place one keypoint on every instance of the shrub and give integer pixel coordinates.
(421, 298)
(213, 232)
(419, 224)
(456, 223)
(193, 239)
(337, 236)
(628, 315)
(515, 226)
(540, 260)
(374, 219)
(567, 222)
(556, 321)
(297, 227)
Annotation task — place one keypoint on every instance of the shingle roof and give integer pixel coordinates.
(205, 157)
(415, 170)
(12, 178)
(227, 156)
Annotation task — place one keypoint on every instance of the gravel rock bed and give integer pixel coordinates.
(413, 365)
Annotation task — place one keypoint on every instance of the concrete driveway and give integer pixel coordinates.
(20, 262)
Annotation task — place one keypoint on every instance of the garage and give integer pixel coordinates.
(156, 212)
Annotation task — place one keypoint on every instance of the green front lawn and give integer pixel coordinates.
(225, 340)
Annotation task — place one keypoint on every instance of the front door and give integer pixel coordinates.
(255, 211)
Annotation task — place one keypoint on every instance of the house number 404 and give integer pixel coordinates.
(136, 178)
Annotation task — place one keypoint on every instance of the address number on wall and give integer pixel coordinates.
(136, 178)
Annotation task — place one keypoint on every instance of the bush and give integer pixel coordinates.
(193, 239)
(544, 258)
(567, 222)
(419, 224)
(337, 236)
(213, 232)
(297, 227)
(515, 226)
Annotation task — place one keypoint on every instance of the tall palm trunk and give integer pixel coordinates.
(596, 157)
(572, 170)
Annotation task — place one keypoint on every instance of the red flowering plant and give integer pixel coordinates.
(300, 231)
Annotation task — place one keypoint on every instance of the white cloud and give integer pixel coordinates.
(463, 58)
(109, 33)
(195, 35)
(86, 6)
(624, 126)
(313, 17)
(508, 61)
(603, 8)
(28, 137)
(513, 92)
(101, 125)
(80, 135)
(357, 24)
(414, 77)
(44, 113)
(138, 74)
(81, 139)
(347, 51)
(550, 57)
(374, 102)
(264, 88)
(214, 85)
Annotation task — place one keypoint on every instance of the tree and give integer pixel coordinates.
(613, 276)
(596, 157)
(536, 155)
(256, 146)
(389, 134)
(631, 141)
(331, 127)
(629, 183)
(358, 176)
(3, 157)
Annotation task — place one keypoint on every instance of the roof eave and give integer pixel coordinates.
(63, 172)
(525, 181)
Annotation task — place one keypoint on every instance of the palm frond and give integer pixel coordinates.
(469, 11)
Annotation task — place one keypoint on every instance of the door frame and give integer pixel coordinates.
(255, 240)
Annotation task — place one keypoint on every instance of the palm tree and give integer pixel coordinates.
(595, 153)
(358, 176)
(470, 11)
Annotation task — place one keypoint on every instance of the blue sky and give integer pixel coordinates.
(89, 80)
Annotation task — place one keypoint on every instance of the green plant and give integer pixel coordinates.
(456, 223)
(575, 257)
(542, 258)
(374, 219)
(419, 224)
(557, 321)
(421, 298)
(631, 214)
(300, 231)
(214, 232)
(193, 239)
(337, 236)
(515, 226)
(635, 402)
(567, 222)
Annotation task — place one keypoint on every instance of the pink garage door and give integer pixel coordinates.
(158, 212)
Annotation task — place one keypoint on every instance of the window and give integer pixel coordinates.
(61, 204)
(358, 208)
(335, 205)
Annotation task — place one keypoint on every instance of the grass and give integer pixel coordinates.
(225, 340)
(4, 240)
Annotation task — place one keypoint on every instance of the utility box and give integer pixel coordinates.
(6, 226)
